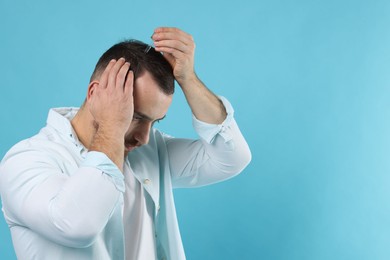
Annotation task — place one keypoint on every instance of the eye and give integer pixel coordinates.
(136, 117)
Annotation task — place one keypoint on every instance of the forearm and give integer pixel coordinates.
(179, 50)
(111, 144)
(110, 104)
(204, 104)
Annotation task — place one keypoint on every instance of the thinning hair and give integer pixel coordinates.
(141, 59)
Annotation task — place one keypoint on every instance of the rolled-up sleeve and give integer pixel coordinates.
(100, 161)
(208, 132)
(219, 154)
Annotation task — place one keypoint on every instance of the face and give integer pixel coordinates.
(150, 106)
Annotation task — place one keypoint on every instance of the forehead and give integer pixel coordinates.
(149, 99)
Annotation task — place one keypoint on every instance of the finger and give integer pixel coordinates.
(177, 54)
(128, 88)
(121, 76)
(178, 45)
(170, 30)
(114, 72)
(172, 34)
(104, 77)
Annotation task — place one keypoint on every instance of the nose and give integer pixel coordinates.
(142, 134)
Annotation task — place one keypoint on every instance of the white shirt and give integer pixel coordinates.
(63, 202)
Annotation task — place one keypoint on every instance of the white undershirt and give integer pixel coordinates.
(138, 222)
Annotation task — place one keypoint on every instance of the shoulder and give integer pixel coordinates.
(44, 146)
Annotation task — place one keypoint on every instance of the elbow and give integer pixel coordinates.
(82, 237)
(243, 159)
(247, 158)
(77, 234)
(238, 160)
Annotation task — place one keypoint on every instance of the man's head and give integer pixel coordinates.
(141, 60)
(153, 88)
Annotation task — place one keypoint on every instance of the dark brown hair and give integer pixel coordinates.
(141, 59)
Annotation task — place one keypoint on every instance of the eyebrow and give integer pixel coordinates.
(147, 117)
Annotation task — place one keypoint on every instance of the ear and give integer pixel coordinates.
(91, 88)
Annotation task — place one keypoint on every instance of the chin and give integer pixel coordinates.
(128, 150)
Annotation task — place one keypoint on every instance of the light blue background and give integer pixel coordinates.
(309, 81)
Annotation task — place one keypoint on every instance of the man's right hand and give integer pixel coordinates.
(111, 105)
(111, 99)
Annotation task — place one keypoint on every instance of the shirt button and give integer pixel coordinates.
(147, 181)
(158, 207)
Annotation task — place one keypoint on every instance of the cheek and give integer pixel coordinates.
(140, 129)
(136, 128)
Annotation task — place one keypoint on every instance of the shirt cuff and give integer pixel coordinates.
(100, 161)
(208, 132)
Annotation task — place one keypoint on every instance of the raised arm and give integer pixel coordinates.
(45, 186)
(222, 151)
(110, 102)
(178, 48)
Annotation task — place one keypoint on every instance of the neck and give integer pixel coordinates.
(82, 124)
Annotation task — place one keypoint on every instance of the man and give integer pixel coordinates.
(96, 182)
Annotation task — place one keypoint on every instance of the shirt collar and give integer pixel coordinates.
(59, 119)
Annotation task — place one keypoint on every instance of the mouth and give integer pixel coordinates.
(129, 148)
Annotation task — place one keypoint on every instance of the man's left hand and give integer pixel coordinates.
(178, 48)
